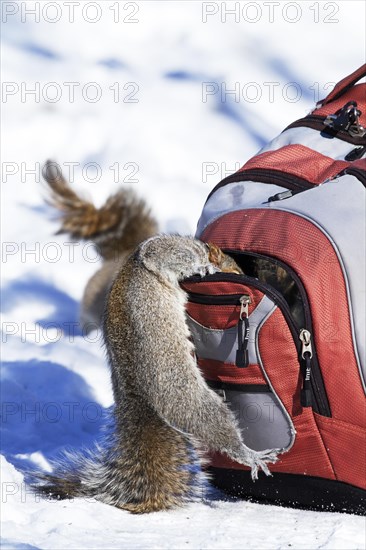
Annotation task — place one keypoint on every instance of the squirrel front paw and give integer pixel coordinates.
(260, 460)
(257, 460)
(208, 269)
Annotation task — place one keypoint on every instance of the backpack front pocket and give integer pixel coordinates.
(226, 318)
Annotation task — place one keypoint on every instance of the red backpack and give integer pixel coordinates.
(284, 344)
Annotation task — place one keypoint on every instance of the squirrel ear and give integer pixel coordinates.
(144, 257)
(215, 254)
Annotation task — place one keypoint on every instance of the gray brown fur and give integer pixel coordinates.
(163, 404)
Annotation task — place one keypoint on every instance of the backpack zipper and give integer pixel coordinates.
(217, 300)
(306, 354)
(320, 396)
(242, 355)
(282, 179)
(261, 175)
(234, 299)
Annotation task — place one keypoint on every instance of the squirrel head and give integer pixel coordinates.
(174, 257)
(222, 261)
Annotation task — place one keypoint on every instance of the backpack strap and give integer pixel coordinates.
(343, 85)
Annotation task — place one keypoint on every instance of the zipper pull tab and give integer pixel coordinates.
(306, 354)
(244, 306)
(242, 356)
(281, 196)
(305, 337)
(356, 153)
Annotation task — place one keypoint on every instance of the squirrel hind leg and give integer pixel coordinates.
(151, 462)
(149, 491)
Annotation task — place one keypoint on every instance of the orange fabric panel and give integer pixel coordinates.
(346, 446)
(280, 360)
(357, 93)
(307, 456)
(299, 161)
(360, 163)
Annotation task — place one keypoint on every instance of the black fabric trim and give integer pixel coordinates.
(214, 299)
(357, 173)
(292, 490)
(247, 388)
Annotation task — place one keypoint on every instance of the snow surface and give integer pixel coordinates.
(55, 381)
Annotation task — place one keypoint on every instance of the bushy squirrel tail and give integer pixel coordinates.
(119, 225)
(77, 474)
(58, 488)
(128, 473)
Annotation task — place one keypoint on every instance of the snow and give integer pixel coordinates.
(176, 142)
(206, 524)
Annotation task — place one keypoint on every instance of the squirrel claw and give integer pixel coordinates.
(260, 459)
(208, 269)
(211, 269)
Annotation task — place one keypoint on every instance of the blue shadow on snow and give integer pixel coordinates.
(46, 407)
(112, 63)
(66, 309)
(40, 51)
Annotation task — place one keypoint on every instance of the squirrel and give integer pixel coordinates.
(162, 403)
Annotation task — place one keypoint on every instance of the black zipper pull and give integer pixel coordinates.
(306, 354)
(356, 153)
(281, 196)
(242, 356)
